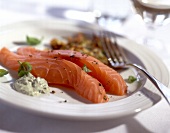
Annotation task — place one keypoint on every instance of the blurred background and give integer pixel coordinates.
(79, 10)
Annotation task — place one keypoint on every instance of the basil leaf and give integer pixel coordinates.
(33, 41)
(86, 69)
(3, 72)
(24, 68)
(131, 79)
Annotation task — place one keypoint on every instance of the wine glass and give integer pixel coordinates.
(153, 17)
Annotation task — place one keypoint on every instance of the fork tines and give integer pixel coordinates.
(112, 50)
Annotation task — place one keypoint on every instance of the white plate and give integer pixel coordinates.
(157, 4)
(138, 99)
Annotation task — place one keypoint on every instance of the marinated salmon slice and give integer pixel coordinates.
(58, 71)
(110, 79)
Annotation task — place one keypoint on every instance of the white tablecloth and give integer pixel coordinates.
(154, 119)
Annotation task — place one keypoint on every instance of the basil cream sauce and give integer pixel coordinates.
(32, 86)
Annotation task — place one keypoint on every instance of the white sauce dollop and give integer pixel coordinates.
(32, 86)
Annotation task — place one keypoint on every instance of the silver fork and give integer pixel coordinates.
(117, 59)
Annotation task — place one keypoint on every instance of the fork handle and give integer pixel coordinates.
(165, 91)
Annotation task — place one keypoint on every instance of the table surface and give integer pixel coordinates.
(154, 119)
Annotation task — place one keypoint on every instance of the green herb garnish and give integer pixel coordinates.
(131, 79)
(33, 41)
(3, 72)
(86, 69)
(24, 69)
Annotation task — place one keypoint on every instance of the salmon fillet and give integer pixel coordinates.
(58, 71)
(110, 79)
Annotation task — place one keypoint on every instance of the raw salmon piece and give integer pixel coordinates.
(59, 71)
(110, 79)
